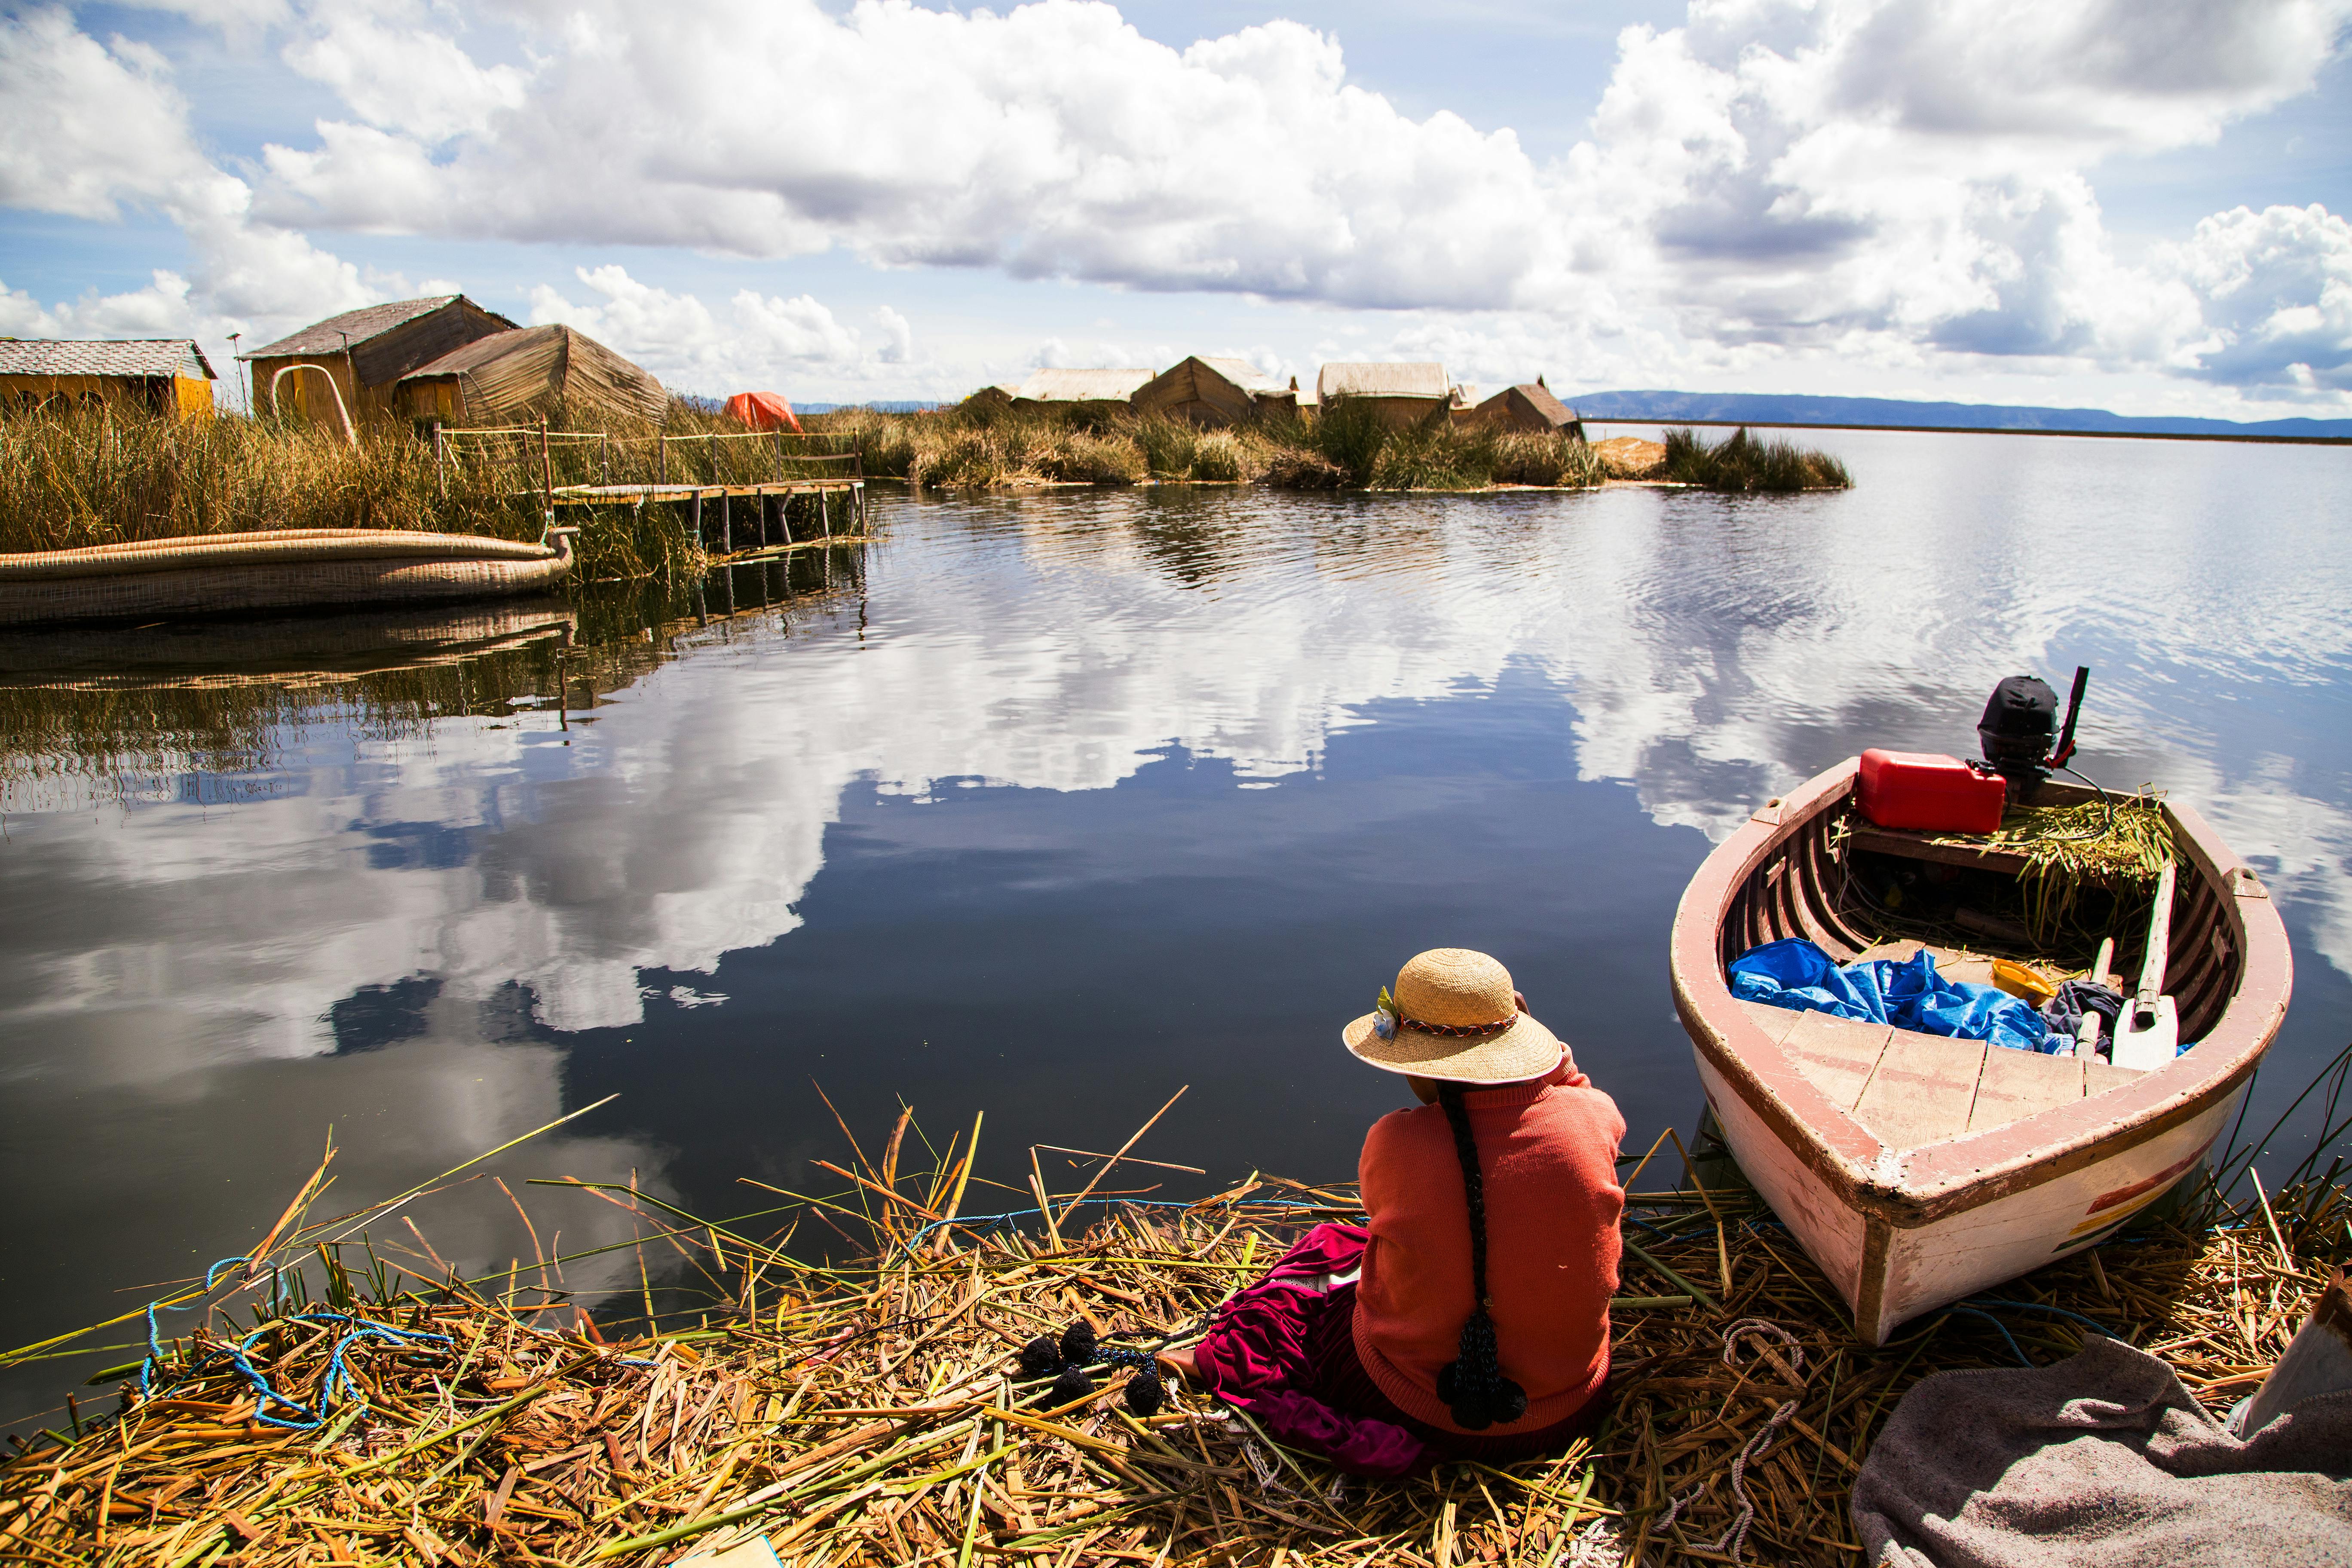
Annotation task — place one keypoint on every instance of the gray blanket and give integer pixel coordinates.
(2101, 1461)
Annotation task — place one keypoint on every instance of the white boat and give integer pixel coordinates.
(1916, 1169)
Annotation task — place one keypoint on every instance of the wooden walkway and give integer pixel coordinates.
(598, 495)
(764, 524)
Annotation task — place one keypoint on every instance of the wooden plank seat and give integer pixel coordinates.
(1912, 1090)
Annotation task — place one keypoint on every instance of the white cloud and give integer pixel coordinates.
(2278, 291)
(1901, 184)
(695, 349)
(82, 128)
(160, 310)
(399, 74)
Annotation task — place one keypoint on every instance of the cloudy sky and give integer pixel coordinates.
(2130, 204)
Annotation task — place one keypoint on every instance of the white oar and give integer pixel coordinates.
(2147, 1032)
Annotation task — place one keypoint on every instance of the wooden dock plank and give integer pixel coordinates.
(2017, 1084)
(1837, 1054)
(1923, 1090)
(777, 551)
(594, 495)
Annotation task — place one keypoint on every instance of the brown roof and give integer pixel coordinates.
(1241, 373)
(126, 356)
(1396, 379)
(1081, 385)
(356, 327)
(503, 371)
(1538, 397)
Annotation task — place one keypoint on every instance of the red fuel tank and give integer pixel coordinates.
(1928, 791)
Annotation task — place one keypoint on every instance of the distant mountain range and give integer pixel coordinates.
(1764, 408)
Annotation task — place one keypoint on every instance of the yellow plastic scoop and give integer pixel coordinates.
(2023, 980)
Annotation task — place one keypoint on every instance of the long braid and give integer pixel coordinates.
(1472, 1384)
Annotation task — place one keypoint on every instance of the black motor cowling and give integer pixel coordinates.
(2020, 728)
(2020, 722)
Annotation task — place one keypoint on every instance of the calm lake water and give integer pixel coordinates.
(1051, 806)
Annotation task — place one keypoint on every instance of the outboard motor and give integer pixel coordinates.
(2017, 729)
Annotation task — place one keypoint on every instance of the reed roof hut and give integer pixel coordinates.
(995, 397)
(1530, 405)
(1210, 392)
(1402, 393)
(166, 375)
(365, 352)
(498, 377)
(1085, 391)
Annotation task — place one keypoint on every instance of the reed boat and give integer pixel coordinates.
(292, 650)
(1918, 1169)
(282, 569)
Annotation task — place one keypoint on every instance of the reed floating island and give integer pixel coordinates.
(1345, 448)
(651, 500)
(874, 1409)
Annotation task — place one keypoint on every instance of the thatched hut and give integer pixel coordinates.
(498, 377)
(164, 375)
(995, 398)
(365, 352)
(1094, 391)
(1212, 392)
(1404, 394)
(1530, 405)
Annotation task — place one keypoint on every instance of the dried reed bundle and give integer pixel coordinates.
(878, 1411)
(2118, 846)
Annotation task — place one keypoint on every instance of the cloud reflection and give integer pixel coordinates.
(384, 926)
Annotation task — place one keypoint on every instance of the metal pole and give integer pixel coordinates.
(546, 465)
(440, 473)
(661, 463)
(823, 517)
(727, 521)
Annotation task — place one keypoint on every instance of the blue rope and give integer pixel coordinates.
(155, 1330)
(2022, 1359)
(2043, 1307)
(339, 1373)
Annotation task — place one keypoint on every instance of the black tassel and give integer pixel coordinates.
(1079, 1343)
(1474, 1386)
(1039, 1358)
(1144, 1394)
(1072, 1384)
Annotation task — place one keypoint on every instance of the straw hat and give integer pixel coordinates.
(1454, 1016)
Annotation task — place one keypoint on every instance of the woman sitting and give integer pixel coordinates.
(1469, 1318)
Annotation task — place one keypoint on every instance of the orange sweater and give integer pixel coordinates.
(1546, 1152)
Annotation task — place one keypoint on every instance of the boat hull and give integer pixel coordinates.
(1902, 1225)
(244, 575)
(1889, 1274)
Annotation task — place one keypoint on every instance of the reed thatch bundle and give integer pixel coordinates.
(875, 1411)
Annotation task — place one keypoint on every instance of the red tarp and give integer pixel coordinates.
(763, 411)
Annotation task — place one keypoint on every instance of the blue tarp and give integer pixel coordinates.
(1908, 993)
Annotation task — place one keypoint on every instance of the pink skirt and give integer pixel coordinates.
(1284, 1351)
